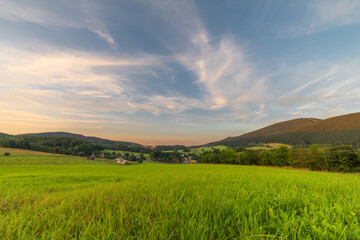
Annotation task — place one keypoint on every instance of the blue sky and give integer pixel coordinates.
(173, 71)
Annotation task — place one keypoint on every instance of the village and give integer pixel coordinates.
(125, 158)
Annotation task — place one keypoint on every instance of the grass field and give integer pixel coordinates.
(270, 146)
(57, 197)
(27, 157)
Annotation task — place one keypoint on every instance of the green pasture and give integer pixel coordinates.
(27, 157)
(53, 197)
(204, 149)
(270, 146)
(201, 149)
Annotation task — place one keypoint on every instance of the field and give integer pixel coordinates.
(44, 196)
(270, 146)
(27, 157)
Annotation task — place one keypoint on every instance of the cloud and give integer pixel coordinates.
(53, 81)
(294, 19)
(328, 75)
(85, 15)
(223, 71)
(317, 88)
(83, 81)
(321, 15)
(70, 70)
(328, 13)
(61, 81)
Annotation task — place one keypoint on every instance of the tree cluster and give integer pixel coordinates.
(322, 158)
(172, 148)
(131, 148)
(171, 157)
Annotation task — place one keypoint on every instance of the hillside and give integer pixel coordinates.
(95, 140)
(338, 123)
(282, 127)
(343, 129)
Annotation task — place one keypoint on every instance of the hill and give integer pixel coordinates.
(343, 129)
(338, 123)
(282, 127)
(95, 140)
(4, 135)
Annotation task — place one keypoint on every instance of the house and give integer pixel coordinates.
(92, 157)
(121, 161)
(101, 155)
(189, 161)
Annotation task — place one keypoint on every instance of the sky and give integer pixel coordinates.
(174, 71)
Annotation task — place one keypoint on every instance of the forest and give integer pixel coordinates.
(347, 137)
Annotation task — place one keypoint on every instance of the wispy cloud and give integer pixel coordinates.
(293, 19)
(224, 73)
(222, 68)
(330, 13)
(317, 88)
(85, 15)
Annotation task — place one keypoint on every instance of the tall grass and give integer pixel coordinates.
(159, 201)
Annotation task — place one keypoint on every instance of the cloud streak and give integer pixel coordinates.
(85, 16)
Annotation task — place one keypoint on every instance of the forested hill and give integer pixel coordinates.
(4, 135)
(94, 140)
(343, 129)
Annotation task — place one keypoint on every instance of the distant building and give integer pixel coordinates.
(92, 157)
(189, 161)
(101, 155)
(121, 161)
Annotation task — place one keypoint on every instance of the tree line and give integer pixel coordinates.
(171, 157)
(340, 158)
(58, 145)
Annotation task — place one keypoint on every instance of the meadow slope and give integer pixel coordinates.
(100, 200)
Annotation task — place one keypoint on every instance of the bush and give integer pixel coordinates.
(6, 154)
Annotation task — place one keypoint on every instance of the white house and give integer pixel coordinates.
(121, 161)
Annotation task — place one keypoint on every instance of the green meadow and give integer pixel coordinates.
(44, 196)
(201, 149)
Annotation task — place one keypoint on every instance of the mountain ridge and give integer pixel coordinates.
(343, 129)
(91, 139)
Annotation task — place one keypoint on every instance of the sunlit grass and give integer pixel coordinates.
(159, 201)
